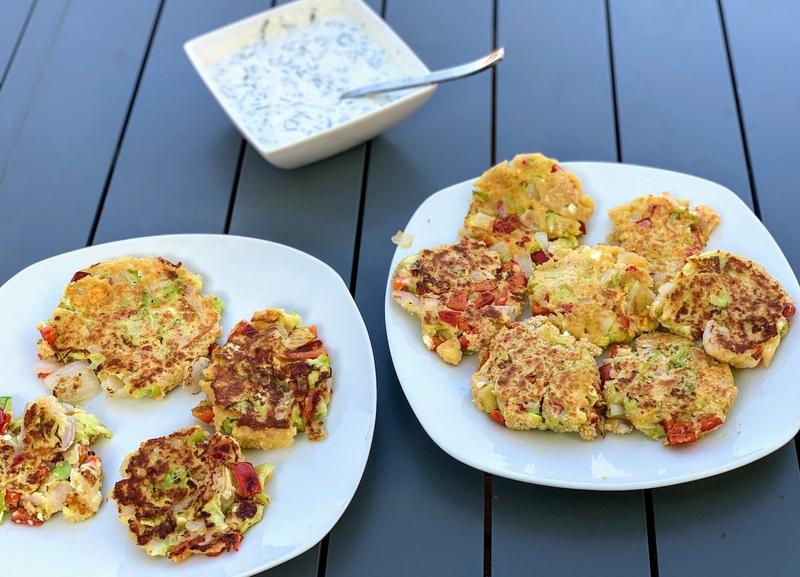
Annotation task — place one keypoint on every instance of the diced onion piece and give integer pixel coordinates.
(45, 367)
(68, 434)
(481, 220)
(113, 385)
(607, 276)
(407, 300)
(402, 239)
(541, 238)
(198, 367)
(75, 382)
(525, 263)
(616, 410)
(480, 381)
(195, 526)
(606, 322)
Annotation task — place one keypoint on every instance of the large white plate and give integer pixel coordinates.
(313, 482)
(766, 414)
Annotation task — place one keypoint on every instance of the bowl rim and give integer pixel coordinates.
(358, 7)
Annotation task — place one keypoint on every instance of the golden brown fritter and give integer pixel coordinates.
(139, 323)
(514, 200)
(462, 293)
(271, 379)
(189, 494)
(667, 387)
(46, 466)
(534, 376)
(740, 312)
(601, 293)
(663, 230)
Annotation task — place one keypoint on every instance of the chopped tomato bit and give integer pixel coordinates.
(462, 340)
(246, 478)
(22, 517)
(789, 310)
(308, 351)
(605, 373)
(12, 498)
(450, 317)
(497, 417)
(313, 330)
(5, 421)
(436, 341)
(680, 432)
(708, 422)
(507, 224)
(502, 298)
(483, 358)
(211, 348)
(242, 328)
(485, 285)
(540, 257)
(48, 334)
(556, 168)
(517, 280)
(204, 413)
(398, 285)
(484, 299)
(539, 310)
(631, 268)
(624, 321)
(612, 352)
(458, 302)
(79, 275)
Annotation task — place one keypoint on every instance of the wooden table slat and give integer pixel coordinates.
(765, 46)
(66, 119)
(13, 16)
(562, 105)
(417, 511)
(677, 110)
(674, 96)
(177, 164)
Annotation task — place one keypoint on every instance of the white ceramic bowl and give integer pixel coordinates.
(208, 49)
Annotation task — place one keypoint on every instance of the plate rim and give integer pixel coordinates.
(583, 485)
(369, 381)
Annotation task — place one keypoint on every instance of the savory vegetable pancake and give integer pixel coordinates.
(47, 466)
(534, 376)
(600, 293)
(514, 200)
(739, 311)
(667, 387)
(271, 379)
(462, 293)
(136, 326)
(189, 494)
(663, 230)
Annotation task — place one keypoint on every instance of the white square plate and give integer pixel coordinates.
(765, 416)
(313, 482)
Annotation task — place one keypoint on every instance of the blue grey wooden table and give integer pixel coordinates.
(106, 133)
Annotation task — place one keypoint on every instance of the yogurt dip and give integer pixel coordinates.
(285, 86)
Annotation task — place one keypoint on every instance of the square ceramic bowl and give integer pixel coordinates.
(218, 57)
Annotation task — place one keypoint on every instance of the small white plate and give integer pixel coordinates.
(765, 416)
(313, 482)
(206, 50)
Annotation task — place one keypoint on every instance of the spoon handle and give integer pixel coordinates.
(444, 75)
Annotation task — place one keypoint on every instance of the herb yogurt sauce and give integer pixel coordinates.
(286, 86)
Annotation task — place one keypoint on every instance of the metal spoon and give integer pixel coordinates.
(444, 75)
